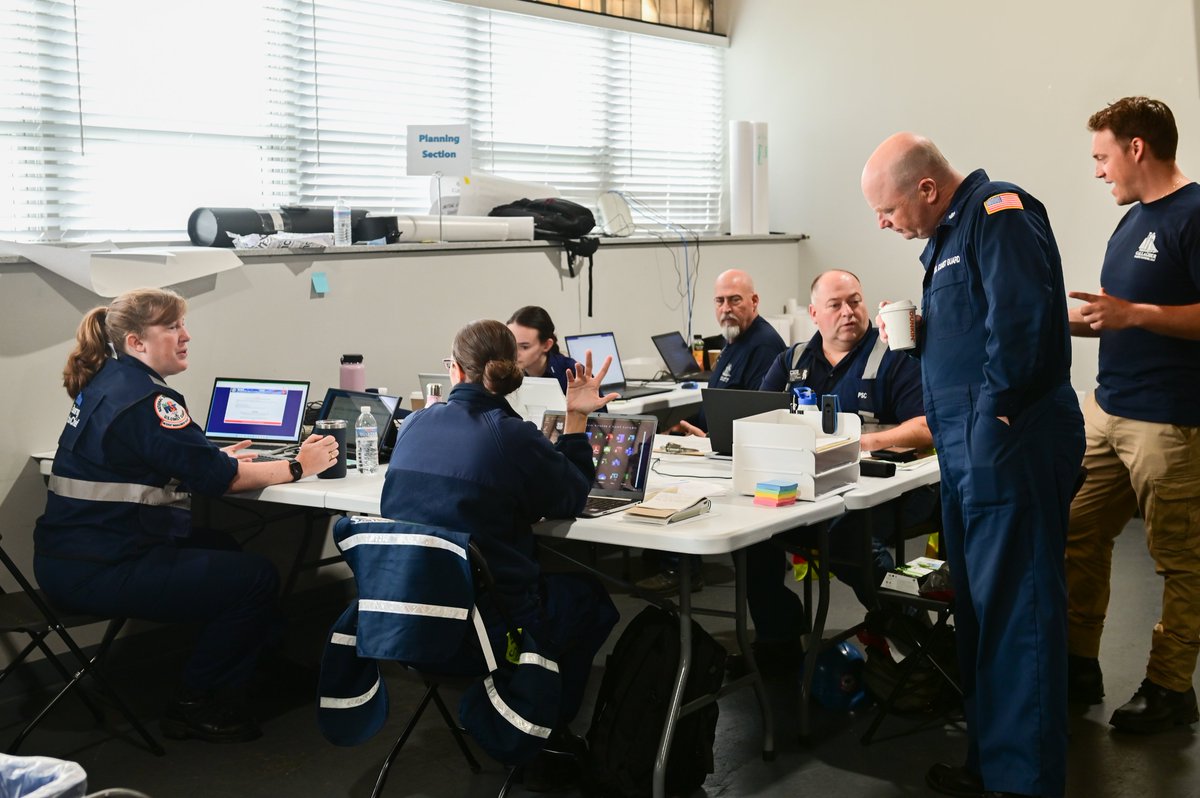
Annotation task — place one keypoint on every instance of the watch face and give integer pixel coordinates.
(296, 469)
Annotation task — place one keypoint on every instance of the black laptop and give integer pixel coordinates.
(347, 405)
(270, 413)
(723, 405)
(621, 449)
(603, 345)
(679, 358)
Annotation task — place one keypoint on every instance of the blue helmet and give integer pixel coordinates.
(838, 680)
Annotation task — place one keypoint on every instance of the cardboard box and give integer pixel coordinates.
(909, 577)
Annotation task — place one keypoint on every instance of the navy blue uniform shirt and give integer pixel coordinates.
(744, 362)
(557, 366)
(470, 464)
(1154, 257)
(894, 396)
(994, 303)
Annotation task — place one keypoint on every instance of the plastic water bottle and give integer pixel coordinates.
(366, 442)
(341, 223)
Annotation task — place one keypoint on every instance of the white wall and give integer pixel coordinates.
(1007, 87)
(400, 311)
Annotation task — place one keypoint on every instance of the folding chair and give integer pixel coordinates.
(433, 681)
(418, 585)
(29, 613)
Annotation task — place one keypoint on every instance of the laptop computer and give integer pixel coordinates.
(723, 405)
(621, 449)
(604, 345)
(535, 396)
(679, 358)
(440, 377)
(269, 413)
(347, 405)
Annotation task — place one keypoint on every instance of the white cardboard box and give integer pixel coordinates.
(780, 444)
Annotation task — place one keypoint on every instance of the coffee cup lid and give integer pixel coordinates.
(902, 304)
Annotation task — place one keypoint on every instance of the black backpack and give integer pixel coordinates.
(563, 222)
(631, 709)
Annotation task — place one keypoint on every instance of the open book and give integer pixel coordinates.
(667, 507)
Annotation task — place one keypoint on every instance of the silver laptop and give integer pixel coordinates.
(603, 345)
(439, 377)
(621, 450)
(270, 413)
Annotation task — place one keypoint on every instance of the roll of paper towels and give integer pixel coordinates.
(741, 177)
(761, 224)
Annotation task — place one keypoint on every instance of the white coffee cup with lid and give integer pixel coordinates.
(900, 319)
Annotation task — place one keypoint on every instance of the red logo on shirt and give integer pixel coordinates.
(171, 414)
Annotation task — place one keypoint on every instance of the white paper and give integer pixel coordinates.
(458, 228)
(741, 177)
(480, 192)
(109, 271)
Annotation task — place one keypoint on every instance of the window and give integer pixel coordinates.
(689, 14)
(118, 119)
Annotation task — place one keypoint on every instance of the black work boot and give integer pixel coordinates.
(205, 716)
(1154, 709)
(949, 780)
(1085, 682)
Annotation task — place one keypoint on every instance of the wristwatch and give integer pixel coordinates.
(296, 469)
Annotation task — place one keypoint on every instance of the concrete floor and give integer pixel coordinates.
(293, 760)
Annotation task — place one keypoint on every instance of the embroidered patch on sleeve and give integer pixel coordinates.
(1002, 202)
(171, 414)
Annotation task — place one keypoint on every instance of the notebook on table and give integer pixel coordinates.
(604, 345)
(621, 450)
(347, 405)
(679, 358)
(723, 405)
(269, 413)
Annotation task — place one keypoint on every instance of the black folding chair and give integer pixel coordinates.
(28, 612)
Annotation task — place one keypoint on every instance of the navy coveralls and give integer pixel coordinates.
(882, 387)
(470, 464)
(116, 537)
(995, 342)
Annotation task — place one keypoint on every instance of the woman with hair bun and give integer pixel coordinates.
(471, 464)
(116, 538)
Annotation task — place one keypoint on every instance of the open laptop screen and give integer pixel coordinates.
(621, 450)
(676, 354)
(267, 411)
(602, 345)
(347, 405)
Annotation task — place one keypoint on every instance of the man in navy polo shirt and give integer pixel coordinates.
(1143, 422)
(848, 358)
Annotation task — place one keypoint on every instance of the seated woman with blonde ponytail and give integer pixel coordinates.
(116, 538)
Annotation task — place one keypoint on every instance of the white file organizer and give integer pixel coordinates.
(779, 444)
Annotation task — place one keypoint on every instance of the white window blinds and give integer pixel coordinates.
(120, 118)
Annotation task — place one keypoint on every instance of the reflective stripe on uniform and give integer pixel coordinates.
(125, 492)
(411, 608)
(384, 539)
(328, 702)
(506, 712)
(875, 358)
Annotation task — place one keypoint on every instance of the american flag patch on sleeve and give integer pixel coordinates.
(1002, 202)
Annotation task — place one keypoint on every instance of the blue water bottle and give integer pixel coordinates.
(803, 398)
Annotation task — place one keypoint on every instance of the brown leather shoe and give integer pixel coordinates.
(1155, 709)
(950, 780)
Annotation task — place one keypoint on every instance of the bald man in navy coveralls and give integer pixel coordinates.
(995, 361)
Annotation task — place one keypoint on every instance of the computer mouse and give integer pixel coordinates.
(688, 384)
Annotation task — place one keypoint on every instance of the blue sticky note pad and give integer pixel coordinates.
(777, 485)
(320, 282)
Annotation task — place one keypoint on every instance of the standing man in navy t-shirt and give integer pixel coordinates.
(1143, 423)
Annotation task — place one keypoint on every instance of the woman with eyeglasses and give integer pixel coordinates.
(116, 539)
(538, 354)
(471, 464)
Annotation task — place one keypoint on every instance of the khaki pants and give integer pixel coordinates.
(1156, 468)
